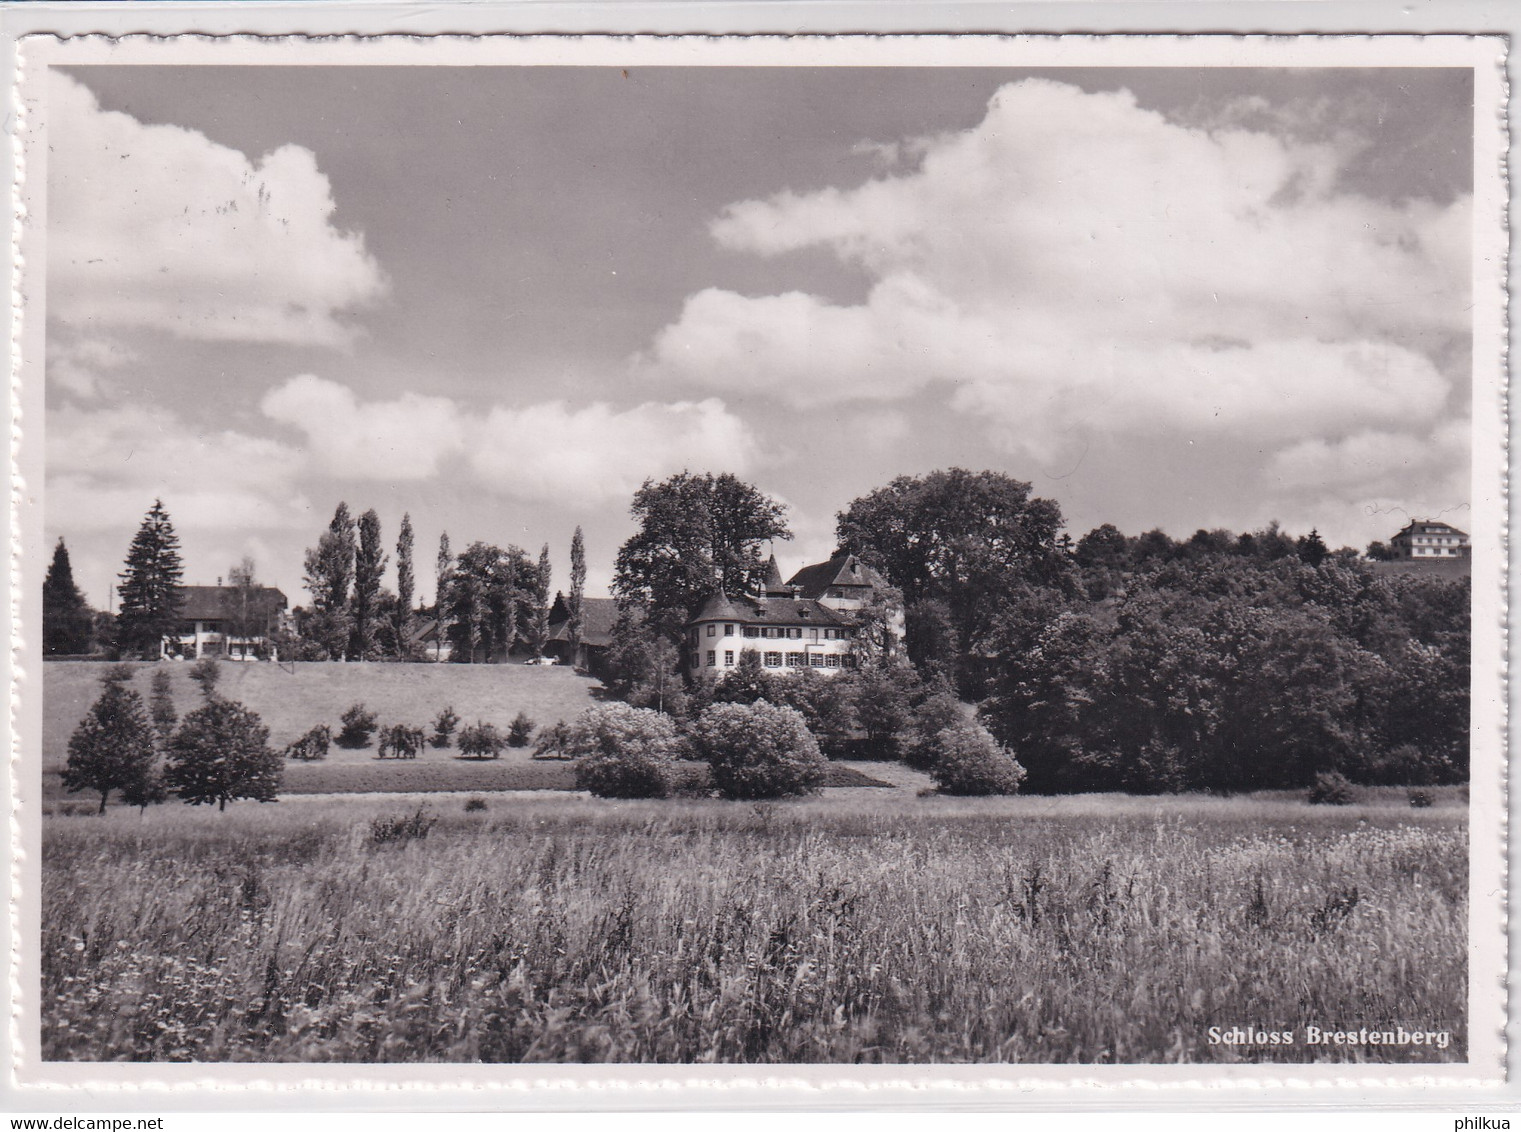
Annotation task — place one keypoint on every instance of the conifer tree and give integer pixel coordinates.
(112, 748)
(406, 584)
(369, 566)
(150, 585)
(66, 617)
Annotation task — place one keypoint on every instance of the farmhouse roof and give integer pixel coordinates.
(598, 616)
(841, 570)
(217, 603)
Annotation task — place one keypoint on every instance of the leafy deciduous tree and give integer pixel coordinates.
(221, 753)
(113, 747)
(369, 567)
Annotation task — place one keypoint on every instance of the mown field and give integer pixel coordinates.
(290, 704)
(857, 927)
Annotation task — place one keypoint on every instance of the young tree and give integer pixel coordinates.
(697, 534)
(221, 753)
(444, 571)
(67, 621)
(112, 748)
(369, 566)
(150, 585)
(329, 576)
(406, 584)
(206, 672)
(575, 605)
(245, 619)
(162, 707)
(538, 627)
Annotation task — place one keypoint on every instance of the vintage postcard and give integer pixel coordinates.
(860, 563)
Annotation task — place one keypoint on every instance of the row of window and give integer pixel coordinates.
(791, 659)
(776, 632)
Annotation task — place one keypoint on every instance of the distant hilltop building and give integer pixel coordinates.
(1428, 540)
(811, 621)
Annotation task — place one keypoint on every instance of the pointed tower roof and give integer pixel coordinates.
(773, 578)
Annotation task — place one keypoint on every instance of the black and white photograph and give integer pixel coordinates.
(657, 553)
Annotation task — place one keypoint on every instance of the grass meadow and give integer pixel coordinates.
(859, 926)
(291, 703)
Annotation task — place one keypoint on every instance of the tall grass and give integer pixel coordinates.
(911, 931)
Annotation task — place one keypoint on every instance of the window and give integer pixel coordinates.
(794, 634)
(829, 634)
(712, 630)
(712, 658)
(831, 661)
(848, 660)
(752, 631)
(729, 659)
(813, 634)
(816, 660)
(794, 660)
(728, 630)
(773, 660)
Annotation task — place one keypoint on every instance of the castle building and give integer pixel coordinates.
(815, 620)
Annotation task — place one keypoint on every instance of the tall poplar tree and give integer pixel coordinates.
(406, 584)
(444, 571)
(538, 628)
(150, 585)
(329, 576)
(575, 605)
(369, 566)
(66, 618)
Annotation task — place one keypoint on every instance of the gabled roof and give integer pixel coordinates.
(598, 616)
(221, 603)
(1430, 526)
(769, 611)
(841, 570)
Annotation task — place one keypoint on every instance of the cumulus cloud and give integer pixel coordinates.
(106, 466)
(156, 226)
(1077, 262)
(542, 451)
(404, 439)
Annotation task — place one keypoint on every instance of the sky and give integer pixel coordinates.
(499, 299)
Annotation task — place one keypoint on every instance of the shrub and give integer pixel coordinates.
(402, 827)
(481, 741)
(624, 752)
(443, 727)
(311, 746)
(758, 750)
(1330, 788)
(967, 760)
(474, 805)
(691, 780)
(206, 672)
(221, 753)
(1420, 800)
(940, 709)
(358, 725)
(554, 742)
(164, 715)
(520, 731)
(400, 742)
